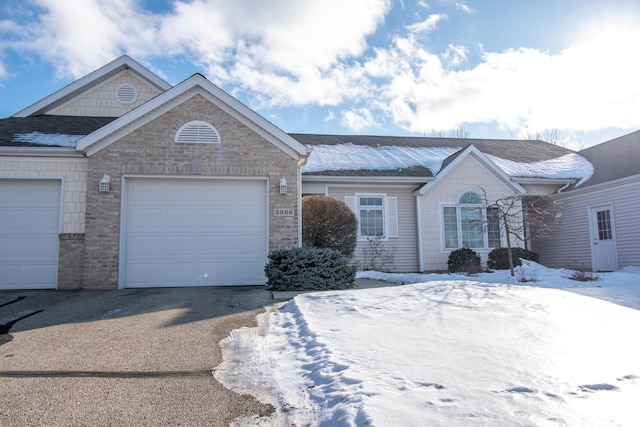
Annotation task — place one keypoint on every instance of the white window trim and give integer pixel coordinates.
(390, 218)
(485, 233)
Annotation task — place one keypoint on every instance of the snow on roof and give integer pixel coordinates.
(568, 166)
(57, 139)
(360, 157)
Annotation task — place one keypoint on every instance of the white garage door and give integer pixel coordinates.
(29, 227)
(183, 232)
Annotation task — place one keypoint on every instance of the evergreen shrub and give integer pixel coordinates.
(464, 260)
(309, 269)
(499, 258)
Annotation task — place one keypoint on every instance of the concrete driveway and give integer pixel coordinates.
(139, 357)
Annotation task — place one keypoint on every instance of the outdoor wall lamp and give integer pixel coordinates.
(105, 184)
(558, 218)
(283, 185)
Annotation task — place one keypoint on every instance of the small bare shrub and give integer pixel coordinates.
(526, 276)
(583, 276)
(375, 256)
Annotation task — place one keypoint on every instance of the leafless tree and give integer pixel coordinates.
(551, 135)
(523, 218)
(460, 132)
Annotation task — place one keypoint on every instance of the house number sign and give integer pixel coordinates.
(283, 212)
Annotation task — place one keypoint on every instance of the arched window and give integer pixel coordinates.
(197, 132)
(470, 224)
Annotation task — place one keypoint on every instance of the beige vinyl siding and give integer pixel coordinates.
(570, 244)
(72, 172)
(405, 246)
(101, 100)
(469, 175)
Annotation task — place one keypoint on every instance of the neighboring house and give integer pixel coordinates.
(599, 228)
(122, 180)
(425, 197)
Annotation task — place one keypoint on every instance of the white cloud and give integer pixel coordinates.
(358, 119)
(329, 53)
(428, 24)
(585, 87)
(455, 55)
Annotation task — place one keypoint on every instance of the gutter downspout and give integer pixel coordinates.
(419, 215)
(564, 187)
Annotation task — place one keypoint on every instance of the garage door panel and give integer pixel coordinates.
(43, 219)
(29, 227)
(215, 246)
(245, 247)
(144, 245)
(39, 276)
(41, 247)
(12, 247)
(144, 218)
(198, 232)
(12, 220)
(139, 273)
(180, 245)
(248, 272)
(214, 194)
(214, 218)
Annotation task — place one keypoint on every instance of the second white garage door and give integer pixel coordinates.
(184, 232)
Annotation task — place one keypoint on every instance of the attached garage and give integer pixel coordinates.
(193, 232)
(29, 228)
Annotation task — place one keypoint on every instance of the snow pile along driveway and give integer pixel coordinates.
(442, 353)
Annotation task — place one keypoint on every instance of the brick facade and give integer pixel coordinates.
(70, 261)
(150, 150)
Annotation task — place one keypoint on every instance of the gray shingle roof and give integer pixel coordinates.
(13, 129)
(521, 151)
(614, 159)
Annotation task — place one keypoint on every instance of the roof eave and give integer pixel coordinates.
(40, 152)
(371, 179)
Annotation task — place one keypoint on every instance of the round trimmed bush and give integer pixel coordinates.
(328, 223)
(309, 269)
(464, 260)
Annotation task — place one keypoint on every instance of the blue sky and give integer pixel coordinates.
(496, 69)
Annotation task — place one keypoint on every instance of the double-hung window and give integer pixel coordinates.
(377, 215)
(470, 224)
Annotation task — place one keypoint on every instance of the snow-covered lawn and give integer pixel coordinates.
(448, 351)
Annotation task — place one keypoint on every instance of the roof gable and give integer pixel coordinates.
(471, 151)
(196, 84)
(91, 80)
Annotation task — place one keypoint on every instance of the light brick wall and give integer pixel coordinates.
(101, 100)
(150, 150)
(469, 175)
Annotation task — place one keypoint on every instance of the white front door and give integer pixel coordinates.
(604, 253)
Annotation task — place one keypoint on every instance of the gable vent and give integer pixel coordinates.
(197, 131)
(126, 93)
